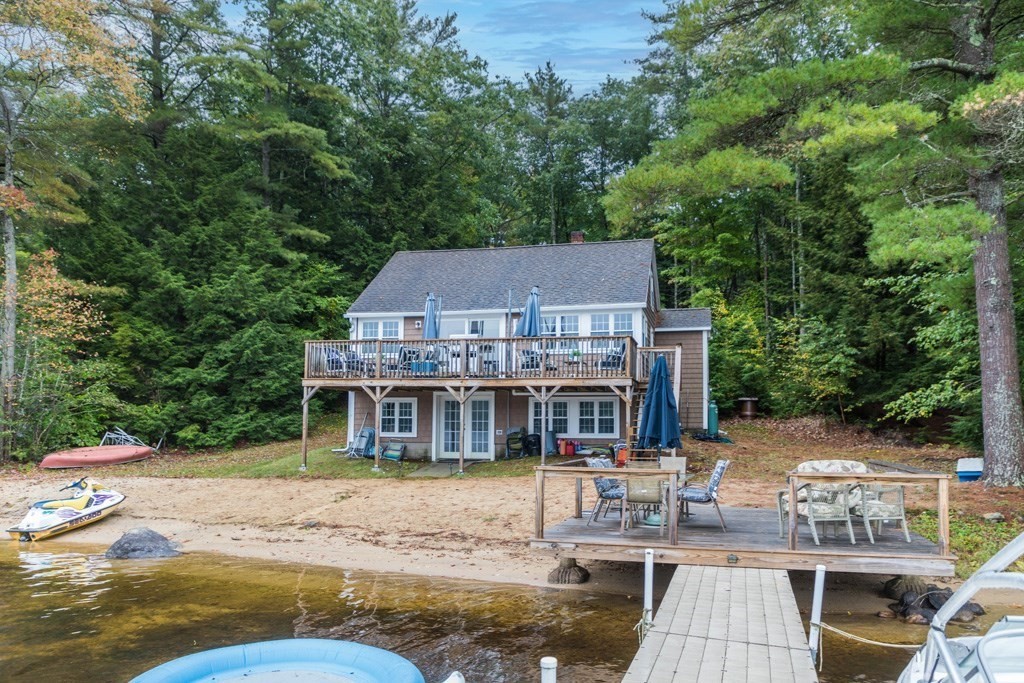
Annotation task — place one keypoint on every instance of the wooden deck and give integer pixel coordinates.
(752, 540)
(725, 625)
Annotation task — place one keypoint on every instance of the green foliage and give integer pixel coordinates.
(813, 366)
(736, 353)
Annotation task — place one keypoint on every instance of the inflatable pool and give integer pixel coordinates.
(304, 660)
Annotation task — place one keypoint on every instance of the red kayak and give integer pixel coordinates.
(95, 456)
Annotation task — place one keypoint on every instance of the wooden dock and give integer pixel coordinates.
(752, 540)
(725, 624)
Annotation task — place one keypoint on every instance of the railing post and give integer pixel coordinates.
(819, 593)
(380, 358)
(943, 515)
(538, 513)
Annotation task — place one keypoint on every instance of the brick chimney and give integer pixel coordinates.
(576, 237)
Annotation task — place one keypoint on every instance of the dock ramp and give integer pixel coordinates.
(727, 624)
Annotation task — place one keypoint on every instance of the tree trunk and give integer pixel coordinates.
(1002, 416)
(10, 300)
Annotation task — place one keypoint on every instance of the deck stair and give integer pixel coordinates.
(727, 625)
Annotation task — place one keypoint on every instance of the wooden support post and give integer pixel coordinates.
(305, 426)
(538, 514)
(792, 513)
(462, 396)
(579, 498)
(673, 507)
(943, 514)
(376, 395)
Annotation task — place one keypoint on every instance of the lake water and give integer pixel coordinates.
(67, 614)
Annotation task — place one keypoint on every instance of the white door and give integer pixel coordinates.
(479, 427)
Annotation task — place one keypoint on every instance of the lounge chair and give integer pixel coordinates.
(394, 451)
(706, 494)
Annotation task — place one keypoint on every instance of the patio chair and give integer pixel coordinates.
(880, 504)
(608, 490)
(530, 359)
(668, 462)
(615, 359)
(407, 355)
(823, 503)
(515, 443)
(394, 451)
(643, 496)
(344, 362)
(706, 494)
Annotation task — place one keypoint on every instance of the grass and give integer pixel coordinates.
(973, 540)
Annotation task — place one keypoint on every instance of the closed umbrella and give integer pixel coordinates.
(659, 422)
(529, 323)
(431, 318)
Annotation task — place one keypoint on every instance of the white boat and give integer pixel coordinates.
(997, 656)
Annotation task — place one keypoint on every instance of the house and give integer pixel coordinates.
(601, 328)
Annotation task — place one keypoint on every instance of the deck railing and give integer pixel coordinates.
(508, 358)
(645, 356)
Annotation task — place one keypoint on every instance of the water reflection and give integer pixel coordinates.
(78, 614)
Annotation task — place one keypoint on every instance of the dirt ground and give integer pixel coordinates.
(472, 528)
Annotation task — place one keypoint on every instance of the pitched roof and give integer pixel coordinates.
(592, 273)
(684, 319)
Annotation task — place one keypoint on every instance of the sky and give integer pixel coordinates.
(585, 40)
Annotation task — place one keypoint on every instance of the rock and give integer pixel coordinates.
(886, 614)
(568, 572)
(141, 543)
(994, 517)
(964, 616)
(311, 524)
(917, 618)
(895, 588)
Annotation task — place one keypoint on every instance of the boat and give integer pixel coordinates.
(997, 656)
(90, 502)
(294, 659)
(95, 456)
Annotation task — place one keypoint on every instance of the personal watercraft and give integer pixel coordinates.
(90, 502)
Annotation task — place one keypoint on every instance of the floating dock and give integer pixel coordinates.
(727, 625)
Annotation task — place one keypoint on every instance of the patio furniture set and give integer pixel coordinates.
(825, 503)
(640, 498)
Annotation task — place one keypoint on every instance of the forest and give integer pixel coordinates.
(186, 198)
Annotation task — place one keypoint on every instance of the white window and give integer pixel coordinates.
(599, 326)
(623, 324)
(370, 330)
(548, 326)
(398, 417)
(374, 329)
(389, 329)
(579, 417)
(570, 326)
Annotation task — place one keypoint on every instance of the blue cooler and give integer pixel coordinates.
(969, 469)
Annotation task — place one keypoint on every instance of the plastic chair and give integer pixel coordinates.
(641, 496)
(614, 360)
(881, 504)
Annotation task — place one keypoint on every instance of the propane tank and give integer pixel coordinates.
(712, 418)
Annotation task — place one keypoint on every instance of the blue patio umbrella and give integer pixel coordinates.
(431, 318)
(529, 322)
(659, 422)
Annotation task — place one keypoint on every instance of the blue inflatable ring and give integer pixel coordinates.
(345, 660)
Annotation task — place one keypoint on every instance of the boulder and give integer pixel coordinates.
(140, 543)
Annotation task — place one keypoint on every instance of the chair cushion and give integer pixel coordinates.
(694, 495)
(878, 510)
(605, 485)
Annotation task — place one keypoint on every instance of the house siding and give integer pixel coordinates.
(691, 383)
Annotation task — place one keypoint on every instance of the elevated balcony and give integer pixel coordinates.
(519, 361)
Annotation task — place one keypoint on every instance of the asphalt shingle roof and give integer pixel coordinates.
(591, 273)
(684, 319)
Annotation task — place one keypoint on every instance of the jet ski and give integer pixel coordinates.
(997, 656)
(90, 502)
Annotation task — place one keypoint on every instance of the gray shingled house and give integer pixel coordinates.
(458, 396)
